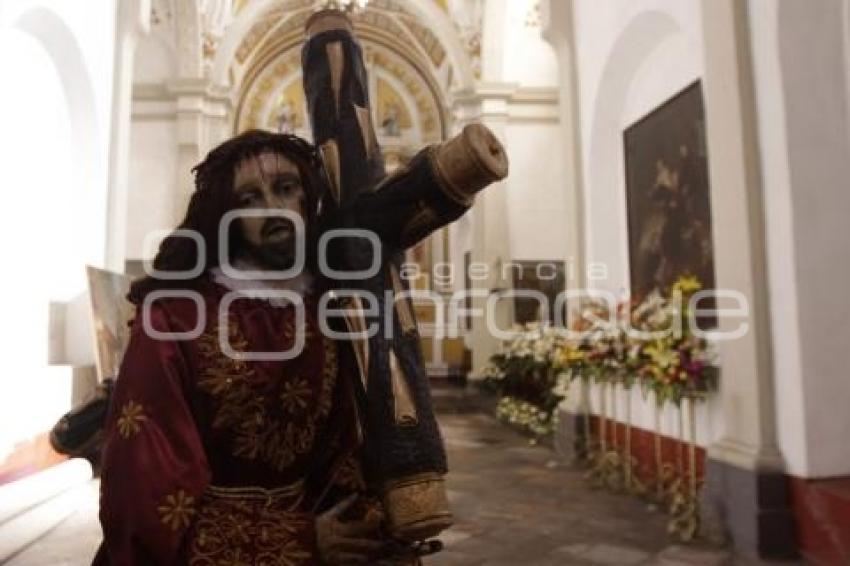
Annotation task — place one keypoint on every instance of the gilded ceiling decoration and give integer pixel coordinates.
(256, 34)
(427, 40)
(426, 104)
(277, 85)
(395, 45)
(388, 16)
(275, 98)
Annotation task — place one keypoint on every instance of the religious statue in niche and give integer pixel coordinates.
(390, 125)
(286, 118)
(668, 194)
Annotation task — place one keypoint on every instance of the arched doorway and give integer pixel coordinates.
(47, 144)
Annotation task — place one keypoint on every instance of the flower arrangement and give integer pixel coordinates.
(526, 376)
(602, 350)
(525, 415)
(677, 363)
(650, 343)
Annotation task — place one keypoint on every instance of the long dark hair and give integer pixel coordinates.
(214, 197)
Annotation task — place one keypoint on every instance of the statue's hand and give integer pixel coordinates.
(347, 542)
(397, 553)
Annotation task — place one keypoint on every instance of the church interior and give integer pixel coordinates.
(660, 150)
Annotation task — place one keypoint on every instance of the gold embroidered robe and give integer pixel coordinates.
(212, 459)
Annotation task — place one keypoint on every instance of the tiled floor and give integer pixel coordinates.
(514, 504)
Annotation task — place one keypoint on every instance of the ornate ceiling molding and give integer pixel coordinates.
(277, 62)
(424, 27)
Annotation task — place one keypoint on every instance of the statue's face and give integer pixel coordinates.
(269, 182)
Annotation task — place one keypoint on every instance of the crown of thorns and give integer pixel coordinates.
(221, 160)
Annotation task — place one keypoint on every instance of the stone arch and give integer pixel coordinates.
(635, 45)
(72, 164)
(285, 53)
(428, 11)
(67, 56)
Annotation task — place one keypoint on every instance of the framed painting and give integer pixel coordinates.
(110, 314)
(668, 196)
(545, 277)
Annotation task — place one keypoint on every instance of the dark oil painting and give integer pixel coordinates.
(668, 196)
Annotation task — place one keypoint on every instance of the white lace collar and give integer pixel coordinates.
(300, 284)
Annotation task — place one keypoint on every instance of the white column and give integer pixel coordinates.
(189, 95)
(490, 233)
(749, 437)
(805, 143)
(745, 483)
(133, 21)
(559, 31)
(202, 123)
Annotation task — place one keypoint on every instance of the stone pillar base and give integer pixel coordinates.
(751, 508)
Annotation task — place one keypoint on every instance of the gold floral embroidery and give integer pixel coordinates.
(295, 395)
(129, 423)
(177, 511)
(251, 526)
(328, 377)
(270, 419)
(350, 475)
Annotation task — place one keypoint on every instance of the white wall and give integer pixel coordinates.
(634, 56)
(153, 182)
(815, 75)
(535, 193)
(519, 86)
(79, 44)
(631, 58)
(527, 59)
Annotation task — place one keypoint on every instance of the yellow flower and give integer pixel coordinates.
(663, 357)
(687, 285)
(177, 511)
(129, 423)
(575, 355)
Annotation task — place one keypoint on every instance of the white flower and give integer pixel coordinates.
(562, 385)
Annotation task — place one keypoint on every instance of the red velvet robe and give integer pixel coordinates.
(212, 460)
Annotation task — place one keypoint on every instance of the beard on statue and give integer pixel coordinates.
(271, 198)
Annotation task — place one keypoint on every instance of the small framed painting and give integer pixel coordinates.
(111, 312)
